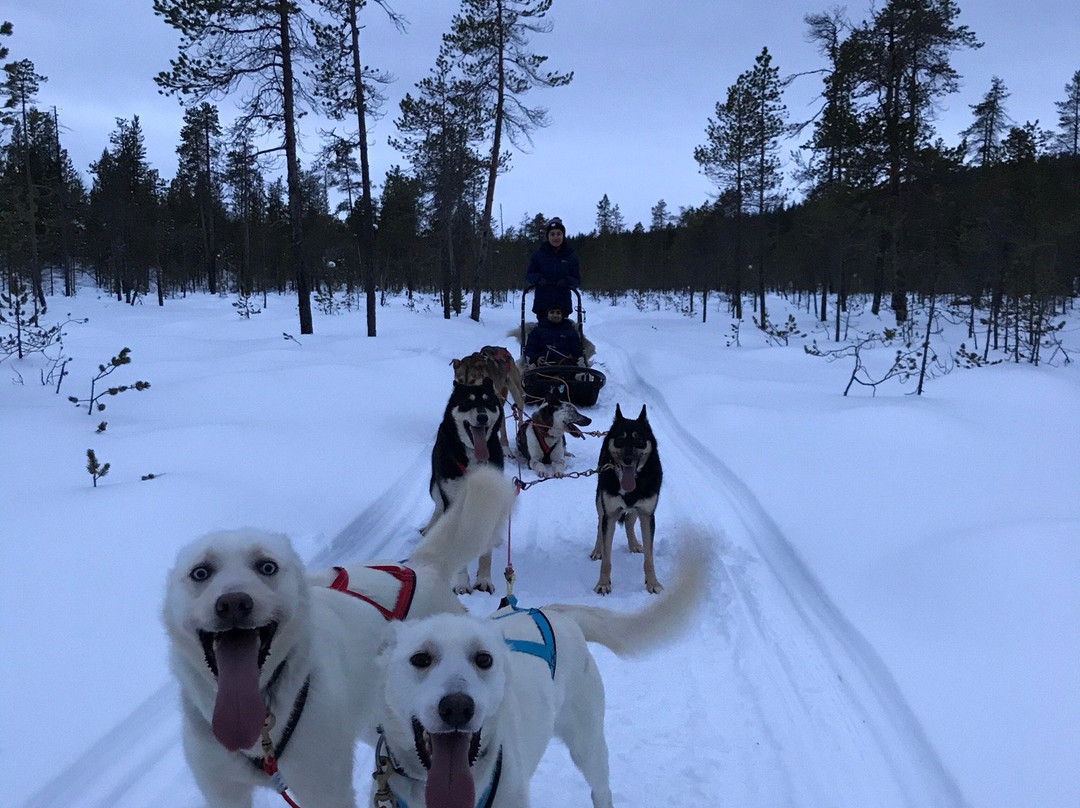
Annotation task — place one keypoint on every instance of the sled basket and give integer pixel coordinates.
(574, 383)
(578, 385)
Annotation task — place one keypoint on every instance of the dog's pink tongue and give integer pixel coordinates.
(628, 480)
(449, 782)
(238, 712)
(479, 440)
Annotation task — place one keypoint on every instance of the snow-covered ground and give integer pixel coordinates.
(894, 617)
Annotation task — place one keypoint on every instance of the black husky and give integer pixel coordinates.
(468, 434)
(628, 486)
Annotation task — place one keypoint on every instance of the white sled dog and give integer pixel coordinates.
(467, 705)
(276, 668)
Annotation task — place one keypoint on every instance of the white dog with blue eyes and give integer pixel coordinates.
(468, 705)
(276, 664)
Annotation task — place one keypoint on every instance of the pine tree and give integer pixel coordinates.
(768, 125)
(246, 188)
(123, 209)
(836, 132)
(440, 130)
(659, 216)
(902, 68)
(728, 159)
(493, 40)
(256, 45)
(1068, 139)
(198, 180)
(991, 123)
(21, 85)
(347, 88)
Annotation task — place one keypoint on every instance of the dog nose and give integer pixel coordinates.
(481, 418)
(234, 605)
(456, 709)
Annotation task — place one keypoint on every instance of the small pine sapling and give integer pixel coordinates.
(96, 469)
(121, 359)
(245, 306)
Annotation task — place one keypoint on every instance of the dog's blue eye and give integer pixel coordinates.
(267, 568)
(421, 659)
(483, 660)
(200, 573)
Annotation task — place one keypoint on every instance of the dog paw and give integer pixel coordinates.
(596, 555)
(653, 587)
(462, 585)
(636, 548)
(602, 588)
(484, 586)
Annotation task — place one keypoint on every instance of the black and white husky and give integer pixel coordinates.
(627, 487)
(541, 440)
(468, 435)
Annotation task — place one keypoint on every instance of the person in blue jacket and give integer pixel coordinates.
(553, 271)
(553, 341)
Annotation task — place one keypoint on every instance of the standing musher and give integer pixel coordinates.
(553, 271)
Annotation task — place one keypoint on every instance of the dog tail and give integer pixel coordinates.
(663, 620)
(471, 526)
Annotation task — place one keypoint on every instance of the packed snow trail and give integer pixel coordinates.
(792, 706)
(788, 703)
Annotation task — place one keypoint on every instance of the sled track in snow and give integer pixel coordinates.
(791, 704)
(800, 660)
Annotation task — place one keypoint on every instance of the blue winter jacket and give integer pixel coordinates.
(553, 274)
(555, 344)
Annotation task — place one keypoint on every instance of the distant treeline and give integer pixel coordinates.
(886, 210)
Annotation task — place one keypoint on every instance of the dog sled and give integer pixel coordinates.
(578, 384)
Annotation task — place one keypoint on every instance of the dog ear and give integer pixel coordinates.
(641, 415)
(456, 363)
(618, 413)
(390, 638)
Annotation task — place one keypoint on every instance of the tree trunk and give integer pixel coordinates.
(296, 224)
(367, 212)
(483, 263)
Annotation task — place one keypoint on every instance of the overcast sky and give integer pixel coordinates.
(647, 76)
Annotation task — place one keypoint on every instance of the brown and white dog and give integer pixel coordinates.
(495, 363)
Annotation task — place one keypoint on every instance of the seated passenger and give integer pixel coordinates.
(554, 341)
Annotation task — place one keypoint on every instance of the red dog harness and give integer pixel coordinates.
(405, 577)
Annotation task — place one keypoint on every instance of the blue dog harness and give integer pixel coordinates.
(545, 649)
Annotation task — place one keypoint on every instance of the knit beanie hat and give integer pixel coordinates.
(554, 224)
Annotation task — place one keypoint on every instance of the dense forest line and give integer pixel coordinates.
(885, 209)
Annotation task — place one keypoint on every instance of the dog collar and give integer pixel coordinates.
(268, 762)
